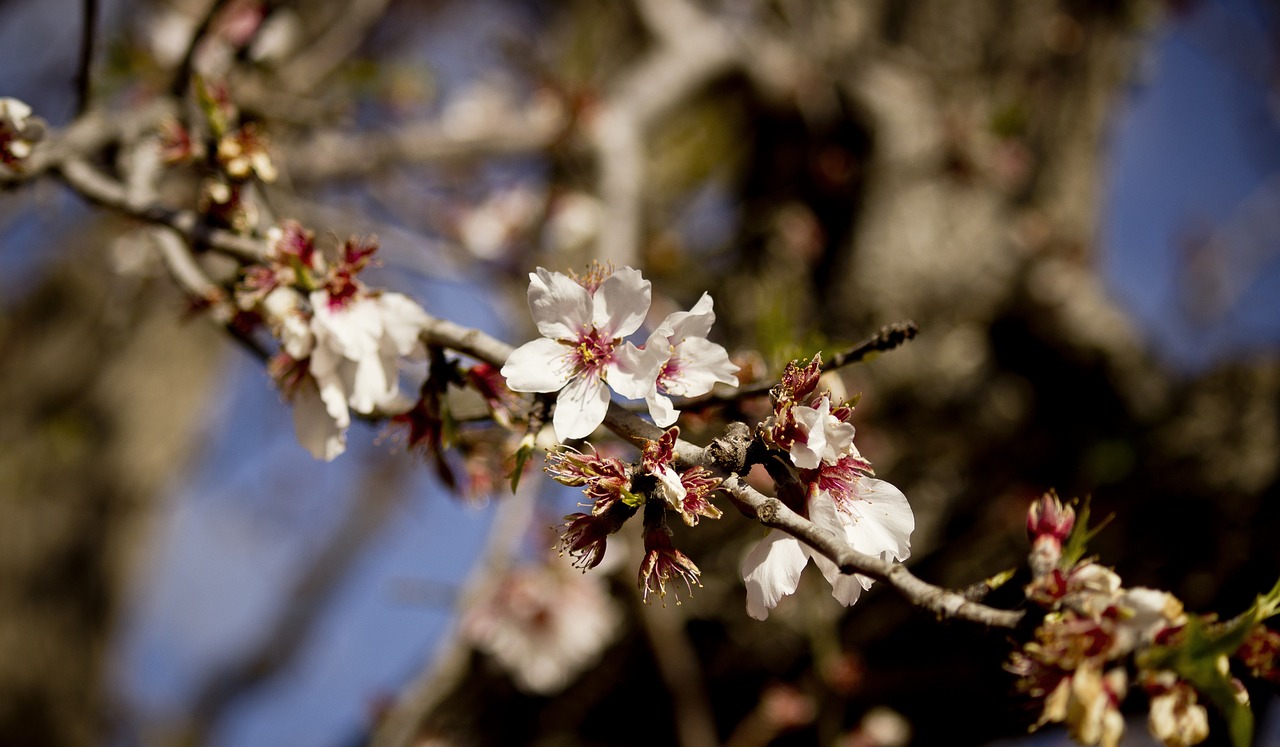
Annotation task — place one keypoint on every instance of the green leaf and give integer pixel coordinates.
(1078, 541)
(522, 456)
(632, 499)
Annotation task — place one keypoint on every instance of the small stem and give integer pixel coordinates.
(88, 26)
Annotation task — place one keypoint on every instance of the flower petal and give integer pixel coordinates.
(881, 520)
(403, 321)
(315, 427)
(701, 363)
(771, 571)
(621, 303)
(695, 322)
(661, 409)
(633, 370)
(560, 307)
(538, 366)
(580, 408)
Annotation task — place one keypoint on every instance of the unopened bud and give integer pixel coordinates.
(1048, 517)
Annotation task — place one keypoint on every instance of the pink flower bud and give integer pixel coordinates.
(1048, 517)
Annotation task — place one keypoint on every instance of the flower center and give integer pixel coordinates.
(592, 352)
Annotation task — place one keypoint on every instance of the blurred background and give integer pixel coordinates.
(1077, 201)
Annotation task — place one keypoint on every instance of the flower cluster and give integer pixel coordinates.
(840, 495)
(617, 491)
(1095, 633)
(339, 342)
(239, 155)
(19, 132)
(583, 353)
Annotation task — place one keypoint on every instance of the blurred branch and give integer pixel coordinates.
(102, 189)
(88, 30)
(319, 59)
(182, 76)
(88, 134)
(331, 155)
(692, 50)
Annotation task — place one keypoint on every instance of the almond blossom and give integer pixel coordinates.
(874, 519)
(582, 353)
(18, 132)
(340, 343)
(687, 363)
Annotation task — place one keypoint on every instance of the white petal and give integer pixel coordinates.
(633, 370)
(672, 488)
(560, 307)
(538, 366)
(771, 571)
(661, 409)
(580, 408)
(804, 457)
(621, 303)
(845, 588)
(316, 429)
(882, 520)
(403, 321)
(370, 382)
(695, 322)
(353, 331)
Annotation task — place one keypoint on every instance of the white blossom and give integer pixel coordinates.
(18, 131)
(686, 362)
(827, 438)
(543, 626)
(352, 351)
(875, 520)
(582, 353)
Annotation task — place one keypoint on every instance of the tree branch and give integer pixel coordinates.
(946, 604)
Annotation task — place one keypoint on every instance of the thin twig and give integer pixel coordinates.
(88, 30)
(885, 339)
(101, 188)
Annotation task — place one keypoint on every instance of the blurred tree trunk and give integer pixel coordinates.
(103, 391)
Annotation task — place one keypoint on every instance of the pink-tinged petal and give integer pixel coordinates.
(880, 521)
(538, 366)
(560, 307)
(580, 408)
(621, 303)
(633, 370)
(315, 427)
(771, 571)
(695, 322)
(700, 364)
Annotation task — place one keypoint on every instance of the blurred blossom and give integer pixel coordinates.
(492, 228)
(543, 625)
(574, 222)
